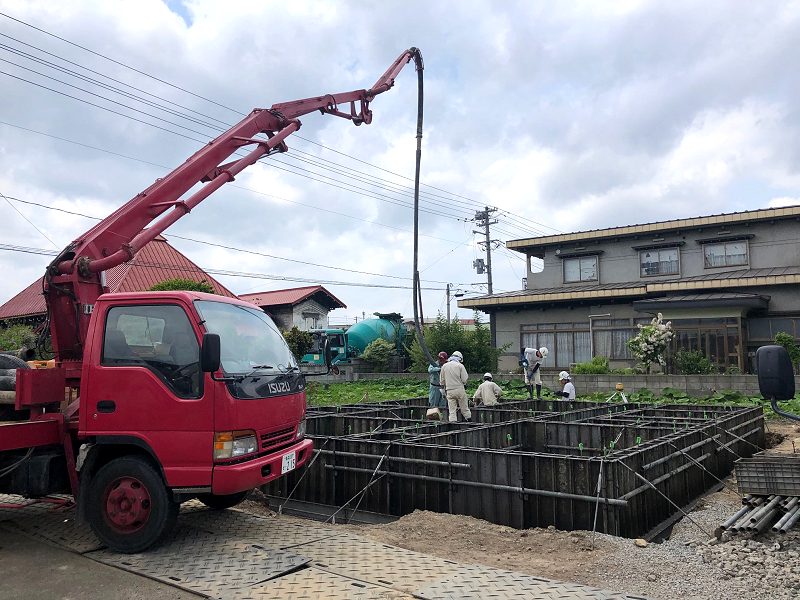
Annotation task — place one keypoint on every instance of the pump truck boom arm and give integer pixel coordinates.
(74, 280)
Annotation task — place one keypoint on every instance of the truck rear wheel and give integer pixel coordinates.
(129, 506)
(222, 502)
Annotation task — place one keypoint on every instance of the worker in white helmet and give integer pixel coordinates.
(489, 392)
(532, 361)
(569, 389)
(453, 379)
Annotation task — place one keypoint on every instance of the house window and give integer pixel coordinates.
(725, 254)
(568, 344)
(580, 269)
(659, 262)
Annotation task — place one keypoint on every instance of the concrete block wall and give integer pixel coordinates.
(693, 385)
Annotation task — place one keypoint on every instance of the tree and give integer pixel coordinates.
(479, 356)
(300, 342)
(787, 341)
(189, 285)
(650, 345)
(378, 352)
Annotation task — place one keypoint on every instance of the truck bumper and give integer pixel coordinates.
(229, 479)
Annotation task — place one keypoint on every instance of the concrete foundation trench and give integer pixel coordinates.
(624, 469)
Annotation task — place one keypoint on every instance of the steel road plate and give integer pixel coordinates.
(59, 528)
(475, 582)
(315, 584)
(204, 562)
(377, 563)
(272, 532)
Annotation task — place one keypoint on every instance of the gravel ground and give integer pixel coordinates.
(693, 566)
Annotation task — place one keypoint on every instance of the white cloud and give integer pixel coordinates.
(785, 201)
(576, 115)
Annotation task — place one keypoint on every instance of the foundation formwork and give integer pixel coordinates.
(526, 464)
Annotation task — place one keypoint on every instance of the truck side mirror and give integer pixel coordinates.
(210, 353)
(326, 351)
(775, 376)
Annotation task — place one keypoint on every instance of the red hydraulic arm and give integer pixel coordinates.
(75, 279)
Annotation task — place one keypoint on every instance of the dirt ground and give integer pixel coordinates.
(673, 569)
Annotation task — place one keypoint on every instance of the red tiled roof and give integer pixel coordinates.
(291, 296)
(156, 262)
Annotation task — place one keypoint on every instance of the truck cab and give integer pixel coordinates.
(337, 340)
(182, 395)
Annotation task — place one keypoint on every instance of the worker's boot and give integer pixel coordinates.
(538, 392)
(530, 392)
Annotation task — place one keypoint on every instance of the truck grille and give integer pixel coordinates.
(277, 438)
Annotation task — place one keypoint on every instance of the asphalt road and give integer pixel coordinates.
(32, 570)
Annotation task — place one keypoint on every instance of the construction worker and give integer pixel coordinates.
(532, 361)
(569, 389)
(489, 392)
(454, 378)
(436, 400)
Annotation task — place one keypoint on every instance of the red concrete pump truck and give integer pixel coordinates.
(180, 395)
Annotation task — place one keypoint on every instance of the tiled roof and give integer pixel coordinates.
(658, 226)
(293, 296)
(156, 262)
(716, 280)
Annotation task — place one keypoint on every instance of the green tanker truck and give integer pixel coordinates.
(353, 342)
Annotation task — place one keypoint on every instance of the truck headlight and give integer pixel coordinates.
(301, 430)
(233, 444)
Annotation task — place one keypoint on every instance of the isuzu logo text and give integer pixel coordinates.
(277, 388)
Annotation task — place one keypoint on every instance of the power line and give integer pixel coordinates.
(228, 185)
(201, 270)
(61, 58)
(29, 221)
(118, 62)
(207, 243)
(96, 82)
(474, 202)
(102, 107)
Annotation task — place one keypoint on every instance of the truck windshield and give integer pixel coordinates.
(249, 339)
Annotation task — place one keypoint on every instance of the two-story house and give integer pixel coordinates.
(727, 282)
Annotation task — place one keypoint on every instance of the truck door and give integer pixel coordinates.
(145, 386)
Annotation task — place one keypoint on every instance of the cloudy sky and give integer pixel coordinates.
(566, 116)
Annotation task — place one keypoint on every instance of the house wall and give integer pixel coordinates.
(773, 245)
(301, 312)
(282, 316)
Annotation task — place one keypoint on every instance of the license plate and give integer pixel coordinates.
(288, 462)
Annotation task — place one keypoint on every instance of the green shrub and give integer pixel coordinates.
(787, 341)
(378, 352)
(16, 337)
(623, 371)
(733, 370)
(178, 283)
(693, 362)
(300, 342)
(597, 366)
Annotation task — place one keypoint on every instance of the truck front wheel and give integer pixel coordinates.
(129, 507)
(222, 502)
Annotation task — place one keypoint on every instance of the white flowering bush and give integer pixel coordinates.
(650, 345)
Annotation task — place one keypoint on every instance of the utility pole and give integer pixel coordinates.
(448, 303)
(483, 220)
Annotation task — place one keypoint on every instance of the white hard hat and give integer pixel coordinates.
(458, 354)
(543, 352)
(564, 375)
(487, 375)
